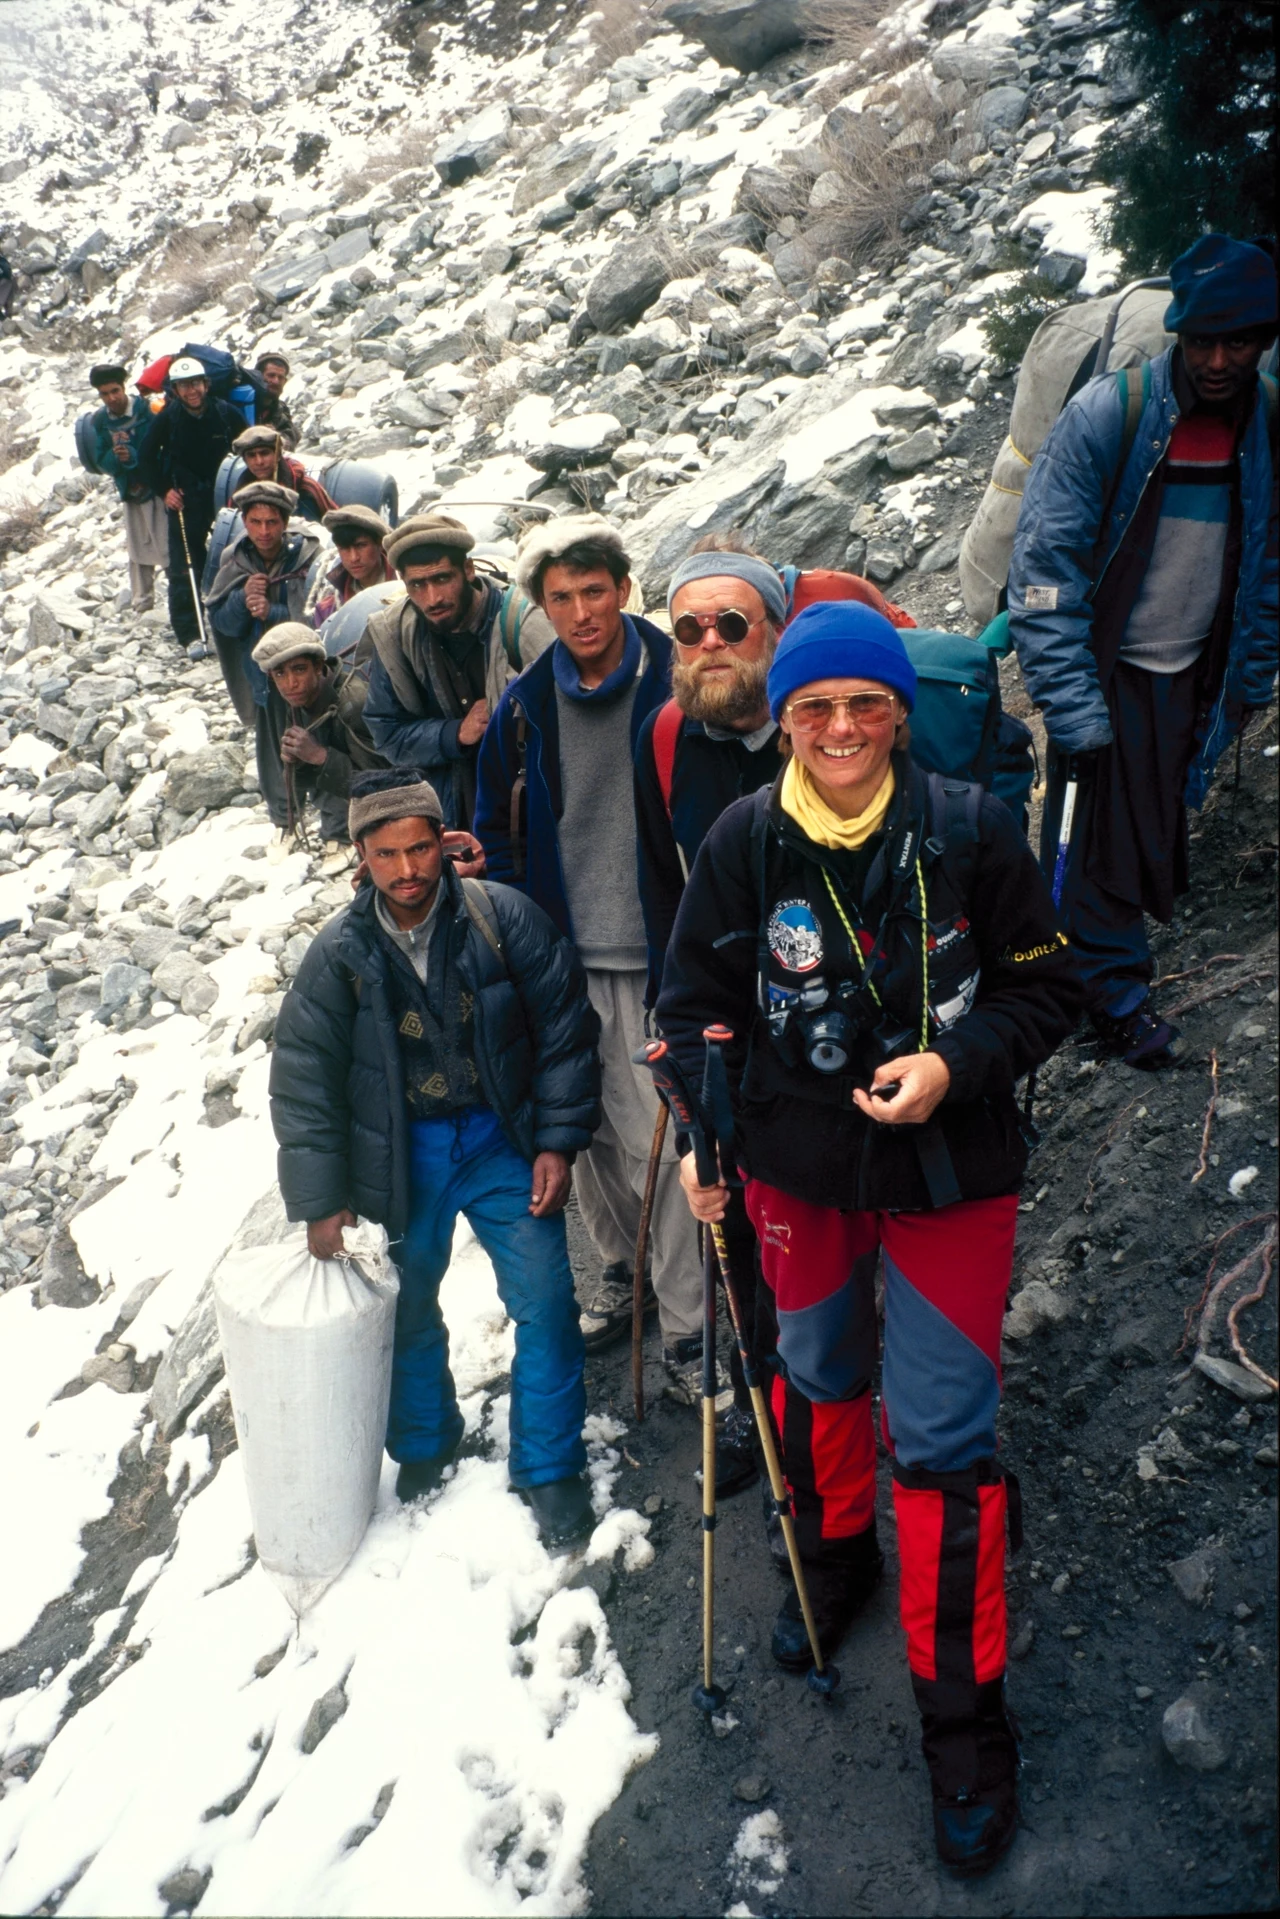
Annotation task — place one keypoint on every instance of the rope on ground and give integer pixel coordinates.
(1251, 1299)
(1221, 991)
(1205, 1309)
(1202, 1164)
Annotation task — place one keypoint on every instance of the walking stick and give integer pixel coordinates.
(708, 1697)
(191, 575)
(674, 1090)
(642, 1249)
(1061, 857)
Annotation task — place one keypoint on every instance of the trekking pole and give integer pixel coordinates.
(674, 1090)
(642, 1249)
(191, 575)
(1062, 855)
(823, 1677)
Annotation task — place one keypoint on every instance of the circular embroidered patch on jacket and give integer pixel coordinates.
(795, 938)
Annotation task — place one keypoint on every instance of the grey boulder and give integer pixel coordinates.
(1188, 1739)
(690, 105)
(475, 148)
(919, 449)
(741, 33)
(209, 777)
(285, 279)
(1002, 109)
(629, 281)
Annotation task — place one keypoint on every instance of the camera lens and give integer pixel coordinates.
(830, 1041)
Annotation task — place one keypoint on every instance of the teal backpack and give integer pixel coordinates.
(958, 725)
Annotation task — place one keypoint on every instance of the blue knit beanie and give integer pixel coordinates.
(839, 640)
(1221, 286)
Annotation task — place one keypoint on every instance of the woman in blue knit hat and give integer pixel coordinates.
(885, 951)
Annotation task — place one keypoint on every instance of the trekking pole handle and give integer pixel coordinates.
(1065, 826)
(674, 1090)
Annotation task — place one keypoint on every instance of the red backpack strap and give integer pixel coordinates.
(666, 731)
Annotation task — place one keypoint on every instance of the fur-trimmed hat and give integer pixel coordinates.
(254, 437)
(545, 543)
(265, 493)
(427, 529)
(353, 521)
(291, 640)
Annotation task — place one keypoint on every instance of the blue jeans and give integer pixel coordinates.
(464, 1164)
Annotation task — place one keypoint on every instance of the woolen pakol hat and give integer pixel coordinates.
(354, 520)
(290, 640)
(839, 640)
(427, 529)
(265, 493)
(255, 437)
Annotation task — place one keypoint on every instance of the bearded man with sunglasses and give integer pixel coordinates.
(1142, 605)
(883, 947)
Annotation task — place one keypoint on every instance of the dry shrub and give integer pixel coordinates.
(410, 146)
(13, 447)
(879, 183)
(19, 523)
(620, 27)
(195, 275)
(858, 46)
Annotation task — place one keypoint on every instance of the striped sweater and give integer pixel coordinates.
(1174, 611)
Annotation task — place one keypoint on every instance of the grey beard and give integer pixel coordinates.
(715, 704)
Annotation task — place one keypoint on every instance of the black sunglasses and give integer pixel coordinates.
(732, 626)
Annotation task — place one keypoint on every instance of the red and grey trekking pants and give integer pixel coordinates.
(946, 1279)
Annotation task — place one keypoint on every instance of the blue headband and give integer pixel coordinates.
(736, 566)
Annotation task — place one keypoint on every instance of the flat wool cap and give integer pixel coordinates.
(107, 376)
(271, 357)
(542, 545)
(265, 493)
(353, 520)
(418, 801)
(254, 437)
(427, 529)
(291, 640)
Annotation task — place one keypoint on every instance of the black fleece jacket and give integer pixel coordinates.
(1003, 989)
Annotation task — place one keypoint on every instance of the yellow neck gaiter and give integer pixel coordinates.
(806, 806)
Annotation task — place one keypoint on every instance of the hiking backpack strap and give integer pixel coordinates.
(788, 575)
(666, 737)
(519, 787)
(1271, 400)
(483, 917)
(510, 617)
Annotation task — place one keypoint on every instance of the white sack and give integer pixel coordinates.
(307, 1346)
(1049, 365)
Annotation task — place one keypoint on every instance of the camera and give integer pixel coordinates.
(829, 1038)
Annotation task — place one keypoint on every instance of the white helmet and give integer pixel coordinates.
(187, 368)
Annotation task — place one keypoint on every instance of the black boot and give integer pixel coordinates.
(839, 1586)
(419, 1476)
(970, 1744)
(737, 1454)
(562, 1509)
